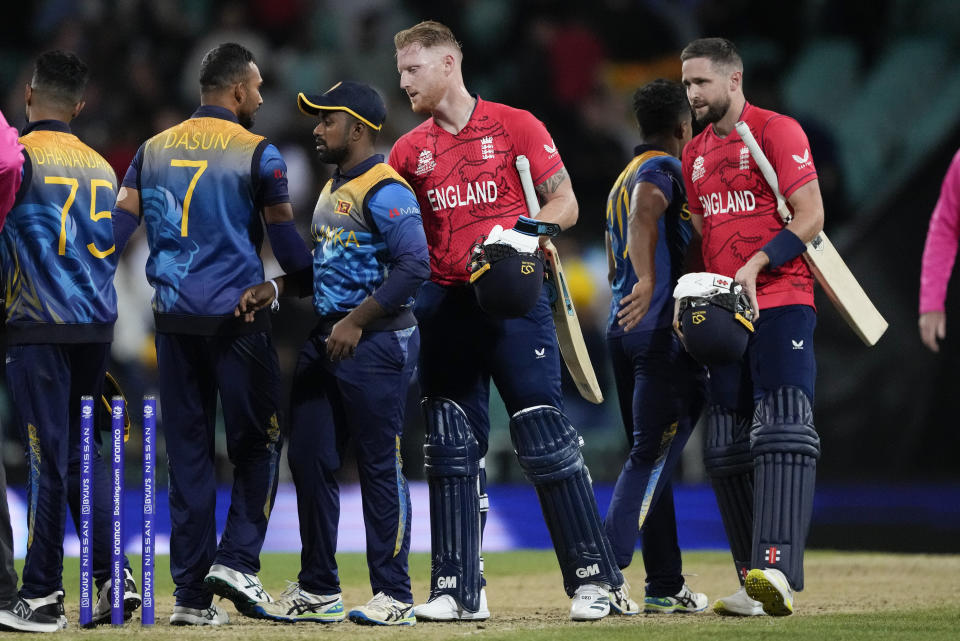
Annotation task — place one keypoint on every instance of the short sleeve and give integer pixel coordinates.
(131, 179)
(532, 140)
(693, 202)
(272, 187)
(785, 145)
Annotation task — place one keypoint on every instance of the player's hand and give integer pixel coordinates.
(343, 339)
(933, 327)
(253, 300)
(635, 305)
(747, 277)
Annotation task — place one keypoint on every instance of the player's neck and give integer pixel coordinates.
(667, 143)
(724, 126)
(453, 112)
(39, 113)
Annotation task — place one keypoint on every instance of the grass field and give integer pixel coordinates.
(848, 596)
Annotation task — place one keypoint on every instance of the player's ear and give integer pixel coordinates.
(27, 94)
(239, 92)
(77, 108)
(735, 79)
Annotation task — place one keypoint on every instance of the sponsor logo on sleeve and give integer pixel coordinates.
(551, 149)
(802, 161)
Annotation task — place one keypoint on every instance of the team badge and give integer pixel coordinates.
(486, 147)
(744, 158)
(343, 207)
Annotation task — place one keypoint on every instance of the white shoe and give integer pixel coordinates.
(771, 588)
(50, 605)
(102, 611)
(738, 604)
(214, 615)
(383, 610)
(297, 605)
(686, 601)
(446, 608)
(620, 601)
(245, 590)
(590, 603)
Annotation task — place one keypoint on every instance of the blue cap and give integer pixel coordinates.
(357, 99)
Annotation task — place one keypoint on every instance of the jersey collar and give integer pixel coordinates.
(46, 125)
(357, 170)
(215, 111)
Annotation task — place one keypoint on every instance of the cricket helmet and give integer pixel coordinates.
(505, 281)
(714, 318)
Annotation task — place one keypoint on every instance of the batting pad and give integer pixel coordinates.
(548, 448)
(727, 458)
(785, 449)
(452, 464)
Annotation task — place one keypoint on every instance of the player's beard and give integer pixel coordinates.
(333, 155)
(715, 112)
(246, 119)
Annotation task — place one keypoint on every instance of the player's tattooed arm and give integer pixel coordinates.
(551, 184)
(559, 202)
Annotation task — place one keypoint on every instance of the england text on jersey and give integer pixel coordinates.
(450, 196)
(727, 202)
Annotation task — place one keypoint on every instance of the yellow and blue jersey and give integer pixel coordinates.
(674, 233)
(366, 225)
(56, 250)
(202, 185)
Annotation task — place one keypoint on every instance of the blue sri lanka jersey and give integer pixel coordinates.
(202, 185)
(362, 221)
(57, 251)
(674, 231)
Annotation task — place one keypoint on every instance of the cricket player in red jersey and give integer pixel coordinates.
(762, 447)
(460, 164)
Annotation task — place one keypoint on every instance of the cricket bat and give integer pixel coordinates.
(569, 335)
(825, 262)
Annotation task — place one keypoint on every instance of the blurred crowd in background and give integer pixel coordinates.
(573, 64)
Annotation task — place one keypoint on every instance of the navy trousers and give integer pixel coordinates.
(46, 382)
(361, 399)
(463, 348)
(245, 372)
(661, 391)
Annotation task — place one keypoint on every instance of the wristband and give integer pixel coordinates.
(275, 305)
(783, 247)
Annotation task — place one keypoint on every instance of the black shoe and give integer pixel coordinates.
(20, 617)
(51, 606)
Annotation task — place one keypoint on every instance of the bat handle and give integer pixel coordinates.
(526, 182)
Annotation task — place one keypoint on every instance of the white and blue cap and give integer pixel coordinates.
(356, 98)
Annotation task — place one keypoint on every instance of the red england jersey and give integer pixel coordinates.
(467, 183)
(725, 186)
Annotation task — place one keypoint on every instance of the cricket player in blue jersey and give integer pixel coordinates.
(660, 387)
(58, 260)
(15, 613)
(352, 376)
(200, 188)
